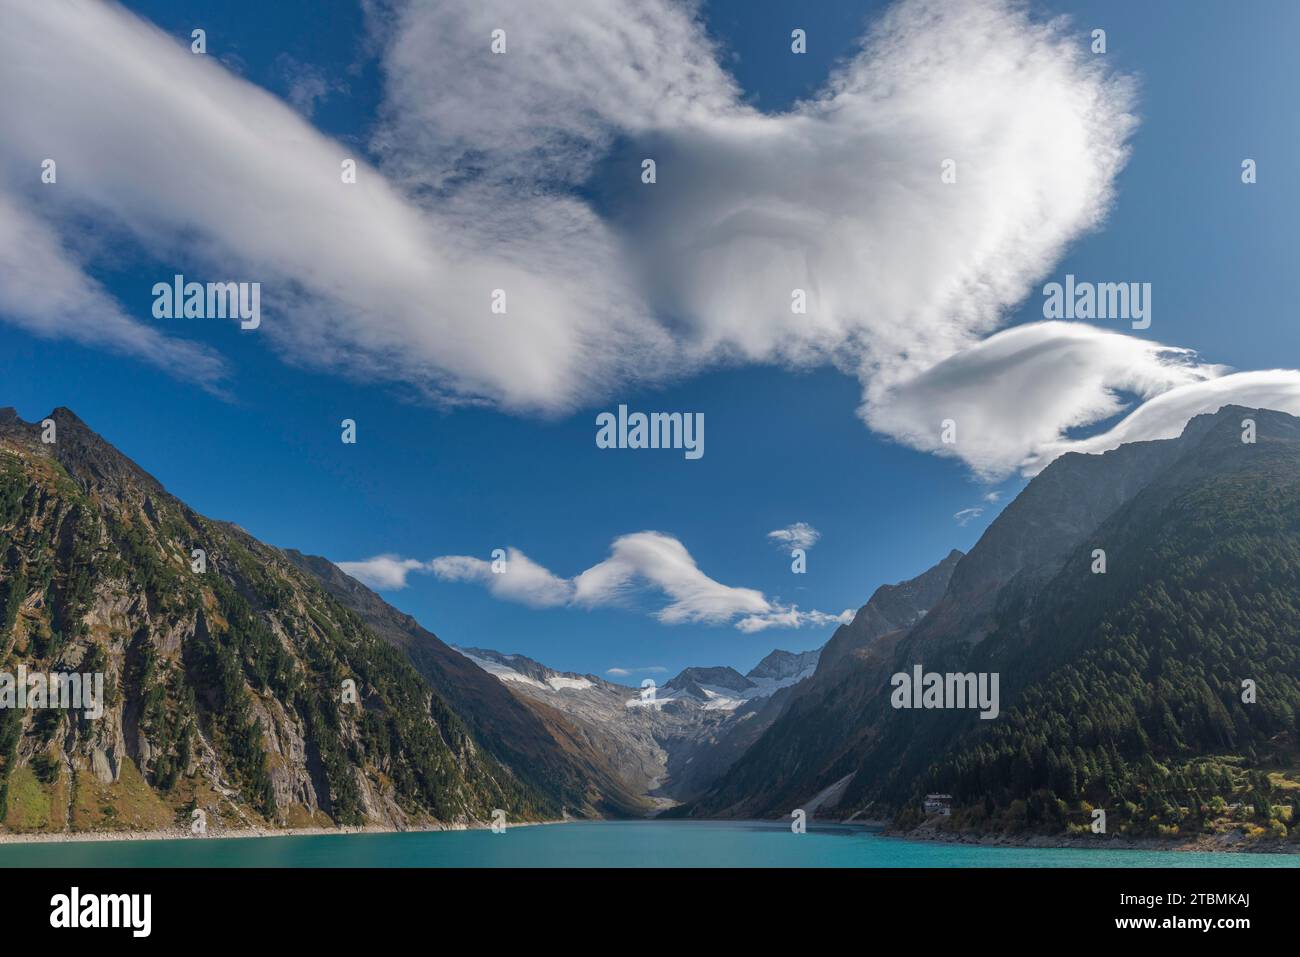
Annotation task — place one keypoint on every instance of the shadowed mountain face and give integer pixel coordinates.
(777, 727)
(1121, 689)
(227, 670)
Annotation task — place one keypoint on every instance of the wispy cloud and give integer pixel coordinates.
(383, 572)
(662, 563)
(638, 565)
(306, 84)
(627, 672)
(1014, 394)
(792, 617)
(799, 535)
(520, 579)
(968, 515)
(44, 289)
(1164, 416)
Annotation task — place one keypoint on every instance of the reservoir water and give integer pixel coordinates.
(603, 844)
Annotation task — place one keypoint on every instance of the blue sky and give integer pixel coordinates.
(783, 445)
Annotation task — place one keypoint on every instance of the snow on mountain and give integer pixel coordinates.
(663, 737)
(782, 669)
(526, 671)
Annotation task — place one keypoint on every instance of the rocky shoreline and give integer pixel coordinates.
(1232, 842)
(183, 834)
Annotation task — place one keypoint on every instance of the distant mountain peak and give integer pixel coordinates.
(91, 460)
(779, 665)
(721, 676)
(522, 669)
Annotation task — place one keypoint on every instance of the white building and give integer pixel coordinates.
(938, 804)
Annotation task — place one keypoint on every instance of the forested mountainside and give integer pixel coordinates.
(542, 745)
(224, 673)
(1164, 691)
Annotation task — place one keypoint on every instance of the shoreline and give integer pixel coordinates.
(1233, 842)
(233, 834)
(1230, 843)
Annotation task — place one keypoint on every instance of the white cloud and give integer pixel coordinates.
(640, 563)
(967, 515)
(799, 535)
(792, 617)
(1018, 391)
(520, 579)
(383, 572)
(390, 278)
(307, 84)
(1164, 416)
(662, 562)
(478, 162)
(44, 290)
(840, 196)
(626, 672)
(357, 278)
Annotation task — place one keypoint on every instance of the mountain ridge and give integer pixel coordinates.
(237, 687)
(1044, 587)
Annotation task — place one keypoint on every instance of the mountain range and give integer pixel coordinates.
(670, 741)
(1140, 608)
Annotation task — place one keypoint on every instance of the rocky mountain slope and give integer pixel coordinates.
(669, 746)
(538, 743)
(777, 735)
(891, 608)
(1122, 690)
(226, 671)
(623, 732)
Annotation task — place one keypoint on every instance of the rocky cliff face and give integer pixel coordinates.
(228, 671)
(1037, 531)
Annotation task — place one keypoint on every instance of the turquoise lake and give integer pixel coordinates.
(602, 844)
